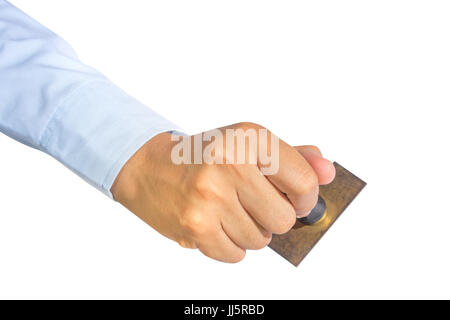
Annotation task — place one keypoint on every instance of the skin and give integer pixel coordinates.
(221, 209)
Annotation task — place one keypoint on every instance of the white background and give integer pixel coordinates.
(367, 81)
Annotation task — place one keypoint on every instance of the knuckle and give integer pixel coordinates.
(195, 223)
(308, 183)
(247, 125)
(285, 223)
(187, 244)
(201, 181)
(205, 185)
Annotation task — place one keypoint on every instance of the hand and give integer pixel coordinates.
(221, 209)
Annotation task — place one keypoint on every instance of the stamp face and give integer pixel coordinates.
(298, 242)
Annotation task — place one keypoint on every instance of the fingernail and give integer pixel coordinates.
(304, 214)
(316, 152)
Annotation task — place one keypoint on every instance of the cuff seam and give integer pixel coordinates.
(45, 136)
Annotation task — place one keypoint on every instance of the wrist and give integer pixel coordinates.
(145, 162)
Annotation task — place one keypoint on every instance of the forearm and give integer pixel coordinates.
(51, 101)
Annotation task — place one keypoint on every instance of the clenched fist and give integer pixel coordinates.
(228, 205)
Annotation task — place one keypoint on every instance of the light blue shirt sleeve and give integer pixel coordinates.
(51, 101)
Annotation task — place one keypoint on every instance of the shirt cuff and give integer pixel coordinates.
(97, 128)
